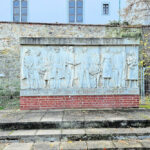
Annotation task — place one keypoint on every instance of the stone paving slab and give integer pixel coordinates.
(78, 145)
(11, 117)
(53, 116)
(5, 133)
(49, 132)
(127, 144)
(135, 115)
(32, 117)
(2, 146)
(131, 114)
(23, 133)
(19, 146)
(2, 115)
(46, 146)
(73, 115)
(145, 143)
(73, 131)
(100, 144)
(97, 131)
(103, 115)
(118, 131)
(95, 113)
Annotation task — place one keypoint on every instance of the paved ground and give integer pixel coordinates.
(73, 115)
(62, 137)
(79, 145)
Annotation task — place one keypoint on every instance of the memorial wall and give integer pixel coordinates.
(71, 70)
(10, 45)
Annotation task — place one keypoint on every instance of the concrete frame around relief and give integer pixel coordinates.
(79, 41)
(24, 41)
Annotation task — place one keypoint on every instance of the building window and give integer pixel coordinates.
(105, 9)
(20, 10)
(79, 16)
(16, 10)
(72, 11)
(75, 11)
(23, 11)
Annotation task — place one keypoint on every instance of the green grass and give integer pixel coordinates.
(1, 108)
(147, 103)
(145, 106)
(9, 103)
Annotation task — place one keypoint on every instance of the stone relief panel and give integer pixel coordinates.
(131, 67)
(106, 67)
(118, 68)
(79, 67)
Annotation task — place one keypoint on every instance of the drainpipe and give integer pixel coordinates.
(119, 9)
(143, 86)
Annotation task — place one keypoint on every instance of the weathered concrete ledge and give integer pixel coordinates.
(79, 41)
(73, 92)
(93, 134)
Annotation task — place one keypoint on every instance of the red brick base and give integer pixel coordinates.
(73, 102)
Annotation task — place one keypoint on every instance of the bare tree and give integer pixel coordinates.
(137, 11)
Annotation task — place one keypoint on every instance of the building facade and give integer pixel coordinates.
(64, 11)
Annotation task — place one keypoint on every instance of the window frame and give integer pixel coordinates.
(105, 3)
(14, 9)
(24, 14)
(76, 13)
(105, 9)
(72, 15)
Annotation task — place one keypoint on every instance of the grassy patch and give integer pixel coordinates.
(147, 103)
(145, 106)
(1, 108)
(9, 93)
(7, 102)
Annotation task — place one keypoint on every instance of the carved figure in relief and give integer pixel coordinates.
(47, 70)
(83, 72)
(58, 68)
(94, 70)
(36, 80)
(24, 71)
(107, 68)
(27, 71)
(70, 67)
(132, 70)
(118, 67)
(63, 59)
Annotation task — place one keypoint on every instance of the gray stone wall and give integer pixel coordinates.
(10, 48)
(145, 56)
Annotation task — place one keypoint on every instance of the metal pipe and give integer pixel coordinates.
(143, 85)
(119, 9)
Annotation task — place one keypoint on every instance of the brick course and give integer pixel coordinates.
(74, 102)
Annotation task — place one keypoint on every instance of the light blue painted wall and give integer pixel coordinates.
(6, 10)
(52, 11)
(94, 11)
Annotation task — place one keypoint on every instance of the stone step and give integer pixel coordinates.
(75, 124)
(74, 134)
(80, 145)
(56, 119)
